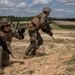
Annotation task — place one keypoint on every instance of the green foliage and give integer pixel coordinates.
(55, 26)
(62, 19)
(15, 18)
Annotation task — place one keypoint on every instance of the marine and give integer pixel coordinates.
(6, 33)
(40, 21)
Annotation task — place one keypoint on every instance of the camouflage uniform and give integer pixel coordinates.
(7, 36)
(35, 38)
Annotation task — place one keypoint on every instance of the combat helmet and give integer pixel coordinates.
(47, 9)
(5, 22)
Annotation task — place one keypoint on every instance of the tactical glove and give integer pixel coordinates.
(21, 31)
(50, 33)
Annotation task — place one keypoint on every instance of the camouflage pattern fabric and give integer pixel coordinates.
(4, 56)
(5, 22)
(35, 42)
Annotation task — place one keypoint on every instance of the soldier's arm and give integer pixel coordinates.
(48, 26)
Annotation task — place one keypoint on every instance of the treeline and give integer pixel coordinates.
(14, 18)
(63, 19)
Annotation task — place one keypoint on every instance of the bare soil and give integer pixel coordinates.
(53, 57)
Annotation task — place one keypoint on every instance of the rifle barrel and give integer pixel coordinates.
(52, 37)
(12, 55)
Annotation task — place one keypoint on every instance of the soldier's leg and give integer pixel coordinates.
(33, 52)
(27, 52)
(5, 58)
(40, 40)
(1, 50)
(30, 47)
(32, 35)
(38, 43)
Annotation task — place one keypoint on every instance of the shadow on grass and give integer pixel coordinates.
(41, 54)
(16, 61)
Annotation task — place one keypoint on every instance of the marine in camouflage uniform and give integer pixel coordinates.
(38, 22)
(6, 33)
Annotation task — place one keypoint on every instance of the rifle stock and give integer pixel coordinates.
(52, 37)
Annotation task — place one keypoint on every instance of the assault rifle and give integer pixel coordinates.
(17, 24)
(4, 46)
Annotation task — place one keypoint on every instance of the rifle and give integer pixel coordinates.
(4, 46)
(17, 24)
(20, 31)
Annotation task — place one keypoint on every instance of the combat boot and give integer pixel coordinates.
(33, 53)
(26, 56)
(1, 71)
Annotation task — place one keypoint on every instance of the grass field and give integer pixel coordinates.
(66, 25)
(56, 25)
(54, 57)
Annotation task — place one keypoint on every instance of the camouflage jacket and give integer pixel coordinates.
(8, 36)
(38, 20)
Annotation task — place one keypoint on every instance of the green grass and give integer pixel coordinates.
(69, 27)
(71, 61)
(70, 69)
(55, 26)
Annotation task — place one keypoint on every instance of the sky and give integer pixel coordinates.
(59, 8)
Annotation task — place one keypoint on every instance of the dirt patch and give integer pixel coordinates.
(52, 57)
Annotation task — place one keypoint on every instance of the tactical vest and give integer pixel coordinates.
(36, 21)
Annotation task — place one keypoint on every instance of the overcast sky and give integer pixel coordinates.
(60, 8)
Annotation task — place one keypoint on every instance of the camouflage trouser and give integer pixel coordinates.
(35, 42)
(4, 57)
